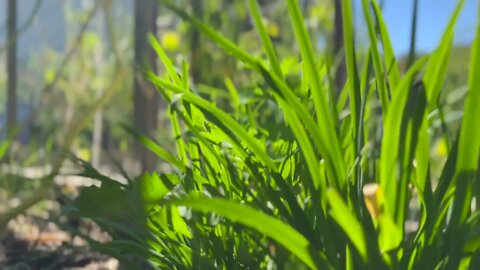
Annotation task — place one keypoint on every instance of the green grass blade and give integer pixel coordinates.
(181, 149)
(348, 40)
(413, 35)
(391, 64)
(197, 118)
(391, 140)
(377, 59)
(347, 221)
(185, 77)
(234, 96)
(291, 239)
(306, 51)
(223, 117)
(469, 142)
(422, 180)
(334, 160)
(468, 145)
(167, 63)
(324, 115)
(155, 148)
(331, 151)
(343, 98)
(262, 32)
(192, 124)
(306, 148)
(411, 126)
(437, 67)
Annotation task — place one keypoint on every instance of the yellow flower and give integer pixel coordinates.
(84, 154)
(170, 40)
(273, 30)
(49, 76)
(319, 11)
(441, 148)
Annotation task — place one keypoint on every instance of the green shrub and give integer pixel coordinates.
(293, 178)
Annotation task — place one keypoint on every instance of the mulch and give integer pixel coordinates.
(48, 249)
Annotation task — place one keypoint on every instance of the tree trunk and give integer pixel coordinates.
(195, 44)
(145, 97)
(340, 74)
(11, 66)
(98, 119)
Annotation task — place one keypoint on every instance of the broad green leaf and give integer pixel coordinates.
(167, 217)
(153, 187)
(107, 201)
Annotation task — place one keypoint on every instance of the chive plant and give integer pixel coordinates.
(294, 178)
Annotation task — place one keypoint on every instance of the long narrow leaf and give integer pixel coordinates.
(353, 80)
(324, 115)
(262, 32)
(276, 229)
(390, 143)
(223, 117)
(437, 67)
(391, 64)
(377, 59)
(155, 148)
(347, 221)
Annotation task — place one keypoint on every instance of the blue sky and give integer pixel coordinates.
(432, 20)
(433, 17)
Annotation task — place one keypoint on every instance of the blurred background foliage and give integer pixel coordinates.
(66, 60)
(64, 67)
